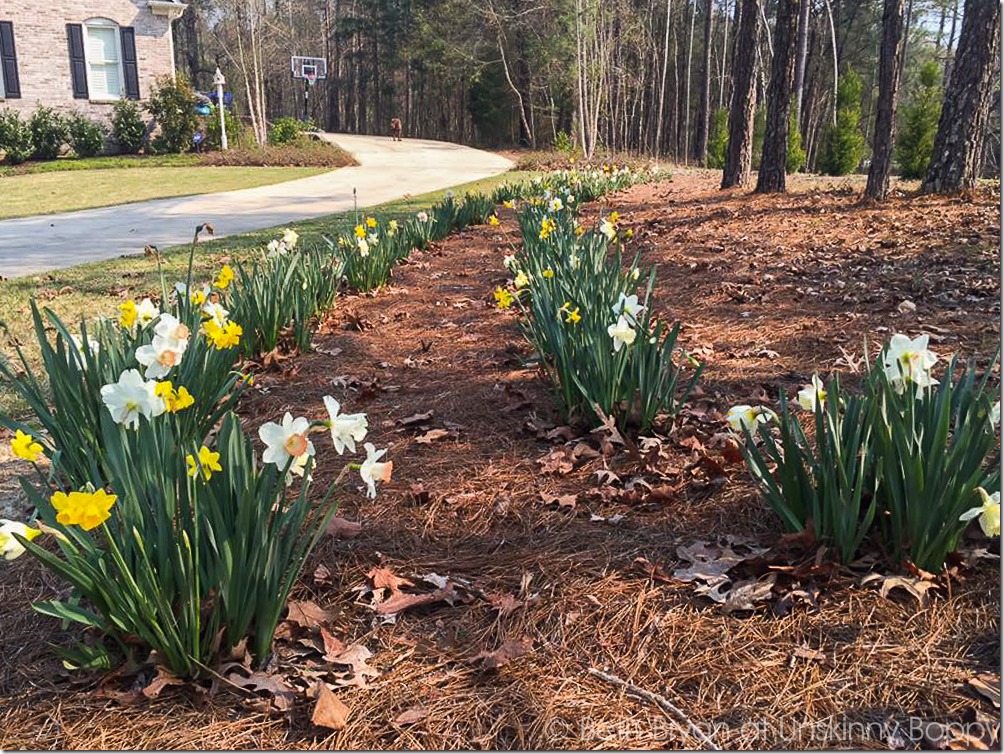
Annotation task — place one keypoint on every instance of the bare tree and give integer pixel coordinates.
(890, 69)
(774, 161)
(739, 154)
(958, 145)
(701, 147)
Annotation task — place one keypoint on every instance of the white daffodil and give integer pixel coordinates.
(146, 312)
(422, 217)
(747, 417)
(10, 548)
(373, 470)
(160, 356)
(909, 361)
(995, 415)
(346, 429)
(607, 228)
(168, 326)
(622, 332)
(216, 312)
(809, 394)
(364, 248)
(570, 198)
(509, 261)
(287, 441)
(629, 307)
(989, 513)
(132, 396)
(392, 227)
(373, 239)
(92, 347)
(289, 238)
(555, 205)
(521, 280)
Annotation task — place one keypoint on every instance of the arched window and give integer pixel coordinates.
(103, 53)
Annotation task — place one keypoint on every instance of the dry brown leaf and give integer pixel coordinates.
(747, 594)
(333, 646)
(988, 685)
(355, 657)
(917, 588)
(307, 614)
(507, 604)
(399, 601)
(385, 578)
(564, 502)
(431, 436)
(411, 716)
(164, 679)
(409, 421)
(509, 650)
(329, 710)
(322, 575)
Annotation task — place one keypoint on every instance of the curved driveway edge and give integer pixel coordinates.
(387, 170)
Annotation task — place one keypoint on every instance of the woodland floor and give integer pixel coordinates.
(545, 564)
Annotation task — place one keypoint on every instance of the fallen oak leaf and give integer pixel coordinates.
(564, 502)
(409, 421)
(385, 578)
(987, 685)
(329, 711)
(510, 650)
(164, 679)
(356, 658)
(333, 646)
(432, 435)
(411, 716)
(918, 588)
(307, 614)
(341, 528)
(399, 602)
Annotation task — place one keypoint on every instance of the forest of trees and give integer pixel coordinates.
(645, 76)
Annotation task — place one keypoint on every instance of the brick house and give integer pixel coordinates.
(83, 55)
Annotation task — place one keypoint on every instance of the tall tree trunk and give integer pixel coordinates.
(739, 154)
(801, 58)
(774, 161)
(662, 83)
(701, 147)
(690, 60)
(891, 55)
(951, 41)
(958, 145)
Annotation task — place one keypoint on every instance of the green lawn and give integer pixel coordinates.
(67, 190)
(95, 289)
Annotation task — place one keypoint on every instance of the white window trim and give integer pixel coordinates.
(103, 23)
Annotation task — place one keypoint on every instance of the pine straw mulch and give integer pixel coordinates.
(565, 574)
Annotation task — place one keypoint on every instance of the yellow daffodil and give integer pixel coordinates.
(25, 447)
(84, 509)
(574, 317)
(360, 231)
(548, 273)
(503, 298)
(226, 336)
(493, 221)
(199, 298)
(614, 217)
(371, 222)
(547, 227)
(207, 462)
(507, 204)
(176, 400)
(225, 277)
(521, 281)
(128, 314)
(629, 234)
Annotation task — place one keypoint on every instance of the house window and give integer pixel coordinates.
(103, 53)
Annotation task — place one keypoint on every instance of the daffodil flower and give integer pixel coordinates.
(10, 548)
(503, 298)
(25, 447)
(989, 513)
(810, 394)
(127, 315)
(360, 231)
(215, 311)
(622, 333)
(373, 470)
(363, 246)
(130, 397)
(84, 509)
(225, 277)
(160, 356)
(493, 221)
(207, 462)
(371, 222)
(909, 361)
(747, 417)
(146, 312)
(629, 307)
(548, 273)
(92, 347)
(521, 280)
(289, 238)
(346, 429)
(555, 205)
(608, 229)
(285, 442)
(422, 217)
(995, 415)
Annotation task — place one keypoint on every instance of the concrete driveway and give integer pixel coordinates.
(387, 170)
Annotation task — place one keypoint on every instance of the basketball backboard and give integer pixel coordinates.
(310, 69)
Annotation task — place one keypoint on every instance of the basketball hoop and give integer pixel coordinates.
(311, 78)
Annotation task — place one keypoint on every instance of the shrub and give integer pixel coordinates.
(286, 130)
(796, 154)
(128, 128)
(563, 143)
(901, 463)
(214, 138)
(49, 132)
(919, 124)
(15, 138)
(172, 105)
(843, 143)
(718, 139)
(86, 136)
(759, 133)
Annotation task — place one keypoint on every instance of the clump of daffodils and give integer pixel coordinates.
(745, 417)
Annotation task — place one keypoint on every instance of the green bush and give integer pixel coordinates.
(759, 132)
(172, 105)
(563, 143)
(286, 130)
(899, 464)
(796, 154)
(87, 137)
(128, 128)
(15, 138)
(919, 124)
(718, 139)
(843, 143)
(213, 131)
(49, 132)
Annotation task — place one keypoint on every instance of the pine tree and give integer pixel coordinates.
(843, 143)
(915, 143)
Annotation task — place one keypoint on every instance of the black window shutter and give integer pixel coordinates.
(8, 61)
(128, 35)
(78, 68)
